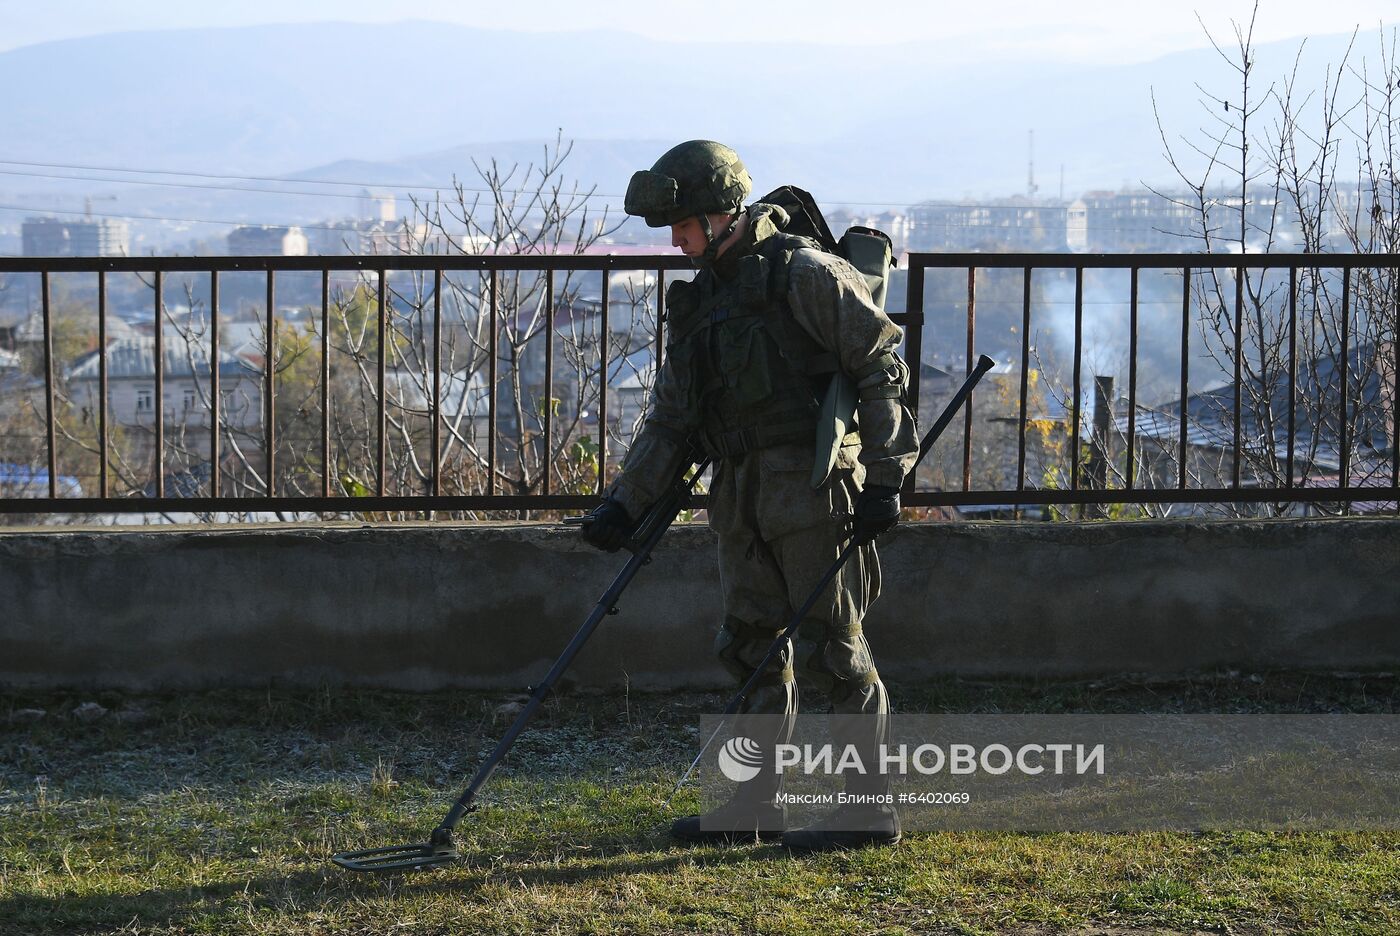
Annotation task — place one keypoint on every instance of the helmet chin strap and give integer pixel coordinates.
(707, 259)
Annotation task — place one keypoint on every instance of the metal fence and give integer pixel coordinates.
(1307, 456)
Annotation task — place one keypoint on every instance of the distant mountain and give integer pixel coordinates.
(270, 98)
(414, 102)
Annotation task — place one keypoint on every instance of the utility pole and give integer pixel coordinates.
(1030, 164)
(1101, 439)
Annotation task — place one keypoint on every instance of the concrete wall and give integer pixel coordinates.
(425, 606)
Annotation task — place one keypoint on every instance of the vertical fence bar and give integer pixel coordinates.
(1395, 385)
(1343, 436)
(383, 409)
(1078, 355)
(1025, 383)
(160, 384)
(102, 474)
(269, 384)
(1132, 375)
(491, 395)
(1239, 373)
(1185, 375)
(971, 354)
(603, 388)
(660, 322)
(548, 458)
(215, 482)
(325, 383)
(1292, 371)
(437, 382)
(49, 433)
(914, 336)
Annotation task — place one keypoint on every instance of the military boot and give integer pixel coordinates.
(852, 825)
(867, 816)
(736, 822)
(754, 811)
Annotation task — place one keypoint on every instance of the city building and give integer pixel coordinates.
(1129, 221)
(377, 206)
(1142, 221)
(355, 238)
(185, 385)
(1017, 224)
(90, 237)
(45, 237)
(267, 241)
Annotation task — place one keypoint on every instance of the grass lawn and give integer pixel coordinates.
(216, 813)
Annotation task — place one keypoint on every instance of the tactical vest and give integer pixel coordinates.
(745, 366)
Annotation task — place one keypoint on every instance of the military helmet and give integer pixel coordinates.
(699, 177)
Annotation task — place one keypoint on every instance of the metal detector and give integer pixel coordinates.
(440, 849)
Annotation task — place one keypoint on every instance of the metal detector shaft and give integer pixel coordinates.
(650, 529)
(984, 364)
(439, 849)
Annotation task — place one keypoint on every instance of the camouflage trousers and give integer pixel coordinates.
(777, 538)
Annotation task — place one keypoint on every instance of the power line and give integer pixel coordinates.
(211, 175)
(193, 185)
(427, 187)
(401, 186)
(129, 217)
(405, 186)
(409, 187)
(244, 188)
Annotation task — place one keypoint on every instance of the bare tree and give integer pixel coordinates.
(1312, 353)
(549, 331)
(444, 337)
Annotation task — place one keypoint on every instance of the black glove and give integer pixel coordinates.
(877, 510)
(608, 526)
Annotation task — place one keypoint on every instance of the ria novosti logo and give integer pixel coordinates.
(740, 759)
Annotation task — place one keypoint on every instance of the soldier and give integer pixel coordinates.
(752, 344)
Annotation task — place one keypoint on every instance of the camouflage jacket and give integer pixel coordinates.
(829, 301)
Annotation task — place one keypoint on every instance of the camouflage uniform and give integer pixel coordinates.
(743, 375)
(754, 343)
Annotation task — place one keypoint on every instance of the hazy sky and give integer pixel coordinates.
(1075, 30)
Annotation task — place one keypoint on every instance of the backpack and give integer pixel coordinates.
(870, 251)
(872, 254)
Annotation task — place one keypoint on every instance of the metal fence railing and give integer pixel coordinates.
(1307, 412)
(484, 383)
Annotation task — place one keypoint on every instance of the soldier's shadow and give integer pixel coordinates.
(314, 889)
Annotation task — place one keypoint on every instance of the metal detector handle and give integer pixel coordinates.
(662, 513)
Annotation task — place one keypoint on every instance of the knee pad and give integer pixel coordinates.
(839, 664)
(740, 646)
